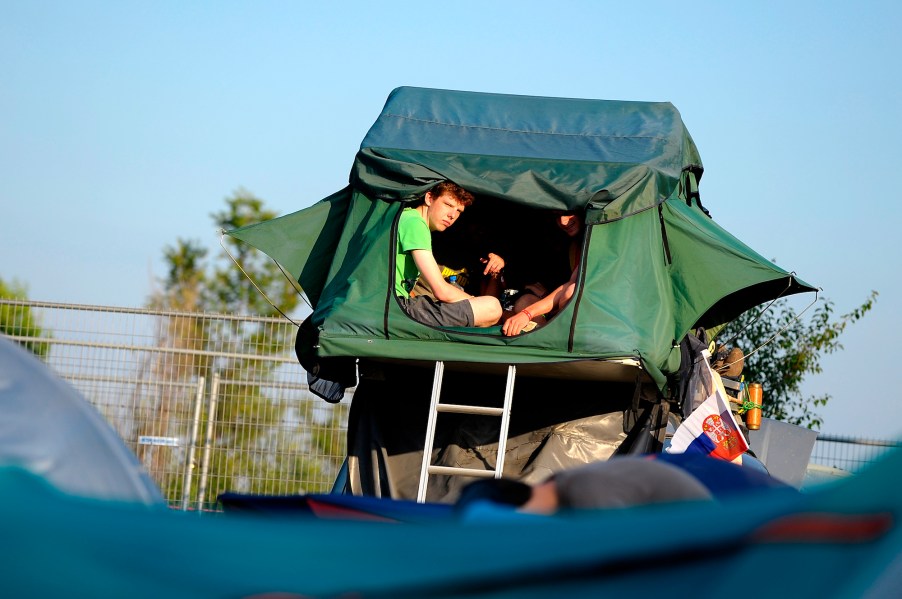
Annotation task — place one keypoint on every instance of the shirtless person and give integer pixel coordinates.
(452, 306)
(537, 301)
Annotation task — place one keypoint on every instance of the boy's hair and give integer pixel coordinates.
(454, 190)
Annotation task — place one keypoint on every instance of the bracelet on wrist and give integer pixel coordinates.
(528, 315)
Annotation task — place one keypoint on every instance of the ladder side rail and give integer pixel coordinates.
(505, 419)
(430, 431)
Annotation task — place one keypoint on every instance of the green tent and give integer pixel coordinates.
(654, 265)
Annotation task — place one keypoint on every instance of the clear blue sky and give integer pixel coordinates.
(123, 125)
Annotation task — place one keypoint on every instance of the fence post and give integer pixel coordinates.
(122, 361)
(192, 441)
(208, 442)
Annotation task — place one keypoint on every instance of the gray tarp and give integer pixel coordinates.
(47, 428)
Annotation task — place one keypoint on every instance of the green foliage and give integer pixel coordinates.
(186, 280)
(794, 353)
(250, 452)
(193, 284)
(231, 289)
(20, 321)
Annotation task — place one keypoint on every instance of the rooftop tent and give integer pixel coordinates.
(654, 264)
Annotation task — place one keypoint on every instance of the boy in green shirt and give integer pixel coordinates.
(452, 307)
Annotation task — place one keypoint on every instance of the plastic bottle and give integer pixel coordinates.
(753, 416)
(453, 280)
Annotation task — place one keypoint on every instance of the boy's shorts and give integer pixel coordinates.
(423, 308)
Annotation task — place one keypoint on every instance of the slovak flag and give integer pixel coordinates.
(711, 429)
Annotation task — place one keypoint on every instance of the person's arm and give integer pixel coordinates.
(514, 325)
(432, 274)
(494, 264)
(557, 299)
(562, 295)
(492, 282)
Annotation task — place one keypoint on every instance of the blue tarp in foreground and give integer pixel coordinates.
(842, 540)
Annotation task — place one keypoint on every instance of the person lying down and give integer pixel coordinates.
(622, 482)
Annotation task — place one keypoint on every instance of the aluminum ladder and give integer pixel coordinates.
(436, 406)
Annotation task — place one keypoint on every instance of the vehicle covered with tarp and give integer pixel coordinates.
(80, 540)
(654, 266)
(840, 541)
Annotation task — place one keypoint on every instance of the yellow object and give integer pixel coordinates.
(447, 272)
(461, 275)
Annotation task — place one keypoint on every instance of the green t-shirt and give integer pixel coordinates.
(413, 234)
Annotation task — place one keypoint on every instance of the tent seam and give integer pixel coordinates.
(467, 126)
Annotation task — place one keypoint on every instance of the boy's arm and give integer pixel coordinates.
(432, 274)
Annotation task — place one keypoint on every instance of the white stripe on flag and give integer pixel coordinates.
(711, 429)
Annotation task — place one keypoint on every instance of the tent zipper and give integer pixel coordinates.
(667, 255)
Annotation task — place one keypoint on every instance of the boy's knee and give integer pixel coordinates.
(487, 310)
(496, 309)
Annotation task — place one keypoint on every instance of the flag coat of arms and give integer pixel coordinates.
(711, 429)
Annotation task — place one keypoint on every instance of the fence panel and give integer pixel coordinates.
(216, 402)
(208, 402)
(849, 453)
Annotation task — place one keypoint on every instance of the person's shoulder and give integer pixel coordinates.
(410, 217)
(410, 214)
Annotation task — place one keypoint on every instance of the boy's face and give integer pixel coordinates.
(569, 223)
(442, 211)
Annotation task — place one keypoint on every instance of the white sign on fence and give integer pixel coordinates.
(151, 440)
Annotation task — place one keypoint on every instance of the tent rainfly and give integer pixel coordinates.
(654, 264)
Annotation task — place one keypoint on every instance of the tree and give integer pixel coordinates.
(240, 290)
(185, 283)
(231, 289)
(181, 333)
(795, 352)
(191, 286)
(249, 419)
(19, 320)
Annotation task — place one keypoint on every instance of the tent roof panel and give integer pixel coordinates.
(604, 131)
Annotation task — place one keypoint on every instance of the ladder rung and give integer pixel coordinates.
(459, 409)
(435, 406)
(452, 471)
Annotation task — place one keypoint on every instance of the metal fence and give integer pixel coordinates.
(216, 402)
(849, 453)
(208, 402)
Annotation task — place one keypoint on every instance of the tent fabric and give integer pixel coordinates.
(304, 240)
(836, 541)
(654, 264)
(386, 438)
(47, 428)
(557, 152)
